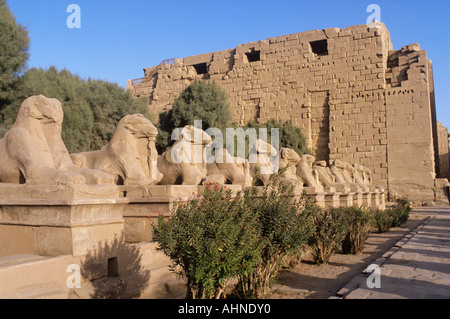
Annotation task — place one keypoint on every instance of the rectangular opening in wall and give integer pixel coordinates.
(319, 47)
(113, 267)
(253, 55)
(201, 68)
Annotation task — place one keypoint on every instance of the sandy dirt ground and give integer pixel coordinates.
(307, 280)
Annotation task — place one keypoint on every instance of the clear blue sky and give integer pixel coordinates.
(119, 38)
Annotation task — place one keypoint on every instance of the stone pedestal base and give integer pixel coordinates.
(148, 203)
(346, 199)
(367, 199)
(332, 200)
(316, 196)
(58, 220)
(358, 199)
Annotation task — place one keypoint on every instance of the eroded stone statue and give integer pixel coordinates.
(131, 156)
(289, 157)
(306, 174)
(185, 162)
(343, 174)
(367, 176)
(363, 178)
(33, 151)
(358, 172)
(325, 177)
(226, 169)
(261, 157)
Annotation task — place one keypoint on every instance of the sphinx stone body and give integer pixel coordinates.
(226, 169)
(261, 158)
(290, 159)
(306, 174)
(33, 151)
(130, 156)
(343, 174)
(185, 162)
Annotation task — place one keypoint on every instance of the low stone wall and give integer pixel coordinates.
(148, 203)
(106, 232)
(58, 220)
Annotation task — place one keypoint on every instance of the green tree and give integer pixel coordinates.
(290, 135)
(202, 100)
(14, 44)
(92, 108)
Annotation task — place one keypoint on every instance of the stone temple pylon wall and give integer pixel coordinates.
(354, 97)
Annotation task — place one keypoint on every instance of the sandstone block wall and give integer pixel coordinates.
(354, 98)
(444, 158)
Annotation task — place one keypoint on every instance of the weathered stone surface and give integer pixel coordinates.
(261, 158)
(416, 268)
(289, 159)
(130, 156)
(306, 174)
(34, 153)
(185, 163)
(443, 149)
(354, 97)
(228, 170)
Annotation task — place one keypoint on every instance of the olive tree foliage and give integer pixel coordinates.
(14, 45)
(92, 108)
(202, 100)
(290, 135)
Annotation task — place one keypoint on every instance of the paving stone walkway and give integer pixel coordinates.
(417, 267)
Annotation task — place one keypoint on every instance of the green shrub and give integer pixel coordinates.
(330, 230)
(397, 216)
(216, 237)
(210, 240)
(403, 208)
(383, 220)
(359, 225)
(392, 217)
(284, 225)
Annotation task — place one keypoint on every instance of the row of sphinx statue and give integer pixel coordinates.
(33, 152)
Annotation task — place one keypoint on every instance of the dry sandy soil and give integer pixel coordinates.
(307, 280)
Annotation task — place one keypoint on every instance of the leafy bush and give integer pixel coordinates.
(383, 220)
(210, 240)
(401, 212)
(330, 230)
(204, 101)
(392, 217)
(284, 225)
(359, 225)
(216, 237)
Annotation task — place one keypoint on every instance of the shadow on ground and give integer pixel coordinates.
(307, 280)
(115, 270)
